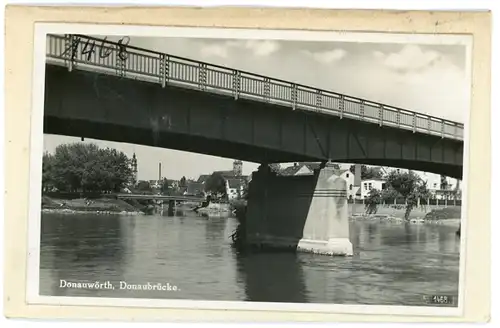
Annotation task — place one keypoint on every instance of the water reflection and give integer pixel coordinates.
(272, 277)
(393, 263)
(84, 247)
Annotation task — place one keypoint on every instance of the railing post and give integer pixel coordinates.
(381, 115)
(442, 129)
(414, 122)
(341, 106)
(362, 109)
(70, 48)
(167, 68)
(120, 66)
(455, 131)
(267, 89)
(429, 125)
(162, 71)
(319, 99)
(398, 118)
(202, 76)
(236, 84)
(294, 96)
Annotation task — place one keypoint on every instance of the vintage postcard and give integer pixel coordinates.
(301, 172)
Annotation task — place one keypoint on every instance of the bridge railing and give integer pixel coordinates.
(117, 58)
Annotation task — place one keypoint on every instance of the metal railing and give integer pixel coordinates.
(117, 58)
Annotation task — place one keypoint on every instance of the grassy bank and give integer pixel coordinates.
(82, 205)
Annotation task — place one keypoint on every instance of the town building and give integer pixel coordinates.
(195, 189)
(302, 168)
(234, 179)
(235, 188)
(368, 185)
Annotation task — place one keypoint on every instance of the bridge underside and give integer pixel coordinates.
(91, 105)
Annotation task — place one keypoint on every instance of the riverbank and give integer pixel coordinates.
(83, 206)
(449, 216)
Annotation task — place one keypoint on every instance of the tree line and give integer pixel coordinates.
(406, 185)
(84, 167)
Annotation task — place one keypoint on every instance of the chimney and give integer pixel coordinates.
(357, 175)
(159, 171)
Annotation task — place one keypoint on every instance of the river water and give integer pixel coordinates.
(393, 264)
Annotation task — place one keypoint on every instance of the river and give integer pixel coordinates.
(393, 264)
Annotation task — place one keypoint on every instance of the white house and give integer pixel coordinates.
(367, 185)
(234, 188)
(433, 181)
(348, 176)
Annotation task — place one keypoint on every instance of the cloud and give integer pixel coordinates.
(410, 58)
(215, 50)
(262, 48)
(259, 48)
(327, 57)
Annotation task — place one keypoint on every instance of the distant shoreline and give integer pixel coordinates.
(455, 222)
(100, 206)
(71, 211)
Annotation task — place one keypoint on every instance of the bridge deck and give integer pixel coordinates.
(99, 55)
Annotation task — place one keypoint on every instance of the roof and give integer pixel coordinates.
(235, 183)
(292, 170)
(203, 177)
(195, 187)
(311, 166)
(380, 180)
(225, 174)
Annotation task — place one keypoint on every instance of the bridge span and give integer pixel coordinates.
(155, 99)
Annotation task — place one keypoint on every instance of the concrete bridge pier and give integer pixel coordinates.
(307, 213)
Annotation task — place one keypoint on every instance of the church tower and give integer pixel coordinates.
(134, 170)
(237, 168)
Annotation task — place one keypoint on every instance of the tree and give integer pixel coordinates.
(275, 167)
(47, 172)
(216, 184)
(410, 186)
(374, 198)
(456, 191)
(165, 187)
(182, 184)
(86, 167)
(144, 186)
(367, 173)
(444, 183)
(389, 194)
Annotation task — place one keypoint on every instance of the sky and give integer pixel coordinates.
(424, 78)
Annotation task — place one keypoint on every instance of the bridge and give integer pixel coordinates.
(106, 90)
(161, 197)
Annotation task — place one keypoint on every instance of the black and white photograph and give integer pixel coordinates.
(249, 168)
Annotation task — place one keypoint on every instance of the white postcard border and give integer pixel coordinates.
(36, 138)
